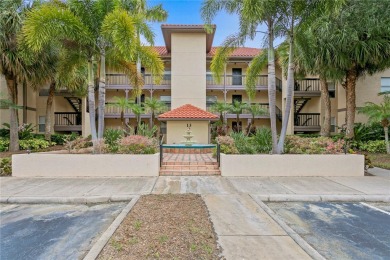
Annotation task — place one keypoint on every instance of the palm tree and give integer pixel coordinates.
(101, 32)
(379, 113)
(221, 108)
(138, 110)
(254, 110)
(251, 14)
(154, 106)
(123, 104)
(236, 108)
(356, 50)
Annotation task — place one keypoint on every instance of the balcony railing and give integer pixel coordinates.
(307, 85)
(239, 80)
(244, 111)
(123, 80)
(111, 109)
(307, 119)
(67, 121)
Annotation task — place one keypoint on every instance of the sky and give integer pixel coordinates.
(188, 12)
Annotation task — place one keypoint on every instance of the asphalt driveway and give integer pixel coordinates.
(52, 231)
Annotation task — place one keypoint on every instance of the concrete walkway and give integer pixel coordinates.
(246, 227)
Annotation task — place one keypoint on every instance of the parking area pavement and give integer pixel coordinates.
(52, 231)
(340, 230)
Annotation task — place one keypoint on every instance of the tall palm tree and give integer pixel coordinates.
(354, 49)
(379, 113)
(251, 13)
(102, 32)
(154, 106)
(122, 104)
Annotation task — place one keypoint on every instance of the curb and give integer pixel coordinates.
(319, 198)
(296, 237)
(66, 200)
(105, 237)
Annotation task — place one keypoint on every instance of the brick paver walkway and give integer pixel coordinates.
(189, 165)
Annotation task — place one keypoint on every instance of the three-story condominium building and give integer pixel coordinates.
(189, 90)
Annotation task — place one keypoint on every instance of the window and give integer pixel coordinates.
(385, 84)
(332, 89)
(166, 100)
(41, 124)
(333, 124)
(210, 100)
(237, 97)
(163, 128)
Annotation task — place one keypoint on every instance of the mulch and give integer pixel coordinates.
(165, 227)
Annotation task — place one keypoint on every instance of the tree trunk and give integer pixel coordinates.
(102, 94)
(49, 104)
(152, 120)
(272, 85)
(325, 127)
(387, 139)
(350, 101)
(13, 129)
(91, 102)
(290, 88)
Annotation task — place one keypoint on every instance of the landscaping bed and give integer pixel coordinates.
(164, 227)
(380, 160)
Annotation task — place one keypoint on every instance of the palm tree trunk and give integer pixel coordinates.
(272, 85)
(13, 129)
(91, 101)
(152, 120)
(290, 88)
(49, 104)
(350, 101)
(238, 123)
(325, 127)
(102, 94)
(387, 139)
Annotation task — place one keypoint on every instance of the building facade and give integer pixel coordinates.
(187, 55)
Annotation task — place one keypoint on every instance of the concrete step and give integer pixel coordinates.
(189, 163)
(189, 172)
(189, 167)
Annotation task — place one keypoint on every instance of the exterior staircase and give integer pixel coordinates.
(75, 103)
(299, 103)
(189, 169)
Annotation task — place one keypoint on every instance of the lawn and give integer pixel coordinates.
(164, 227)
(380, 160)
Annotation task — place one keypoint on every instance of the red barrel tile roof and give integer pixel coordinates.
(188, 112)
(239, 52)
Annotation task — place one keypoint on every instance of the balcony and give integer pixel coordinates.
(307, 88)
(121, 81)
(237, 82)
(307, 122)
(245, 114)
(67, 122)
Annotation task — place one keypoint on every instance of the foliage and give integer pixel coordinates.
(321, 145)
(378, 146)
(34, 144)
(145, 130)
(380, 160)
(262, 140)
(78, 143)
(25, 131)
(227, 145)
(4, 132)
(58, 138)
(368, 132)
(137, 144)
(4, 144)
(242, 143)
(111, 138)
(5, 167)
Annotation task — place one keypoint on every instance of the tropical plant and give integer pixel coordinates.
(251, 14)
(122, 104)
(154, 106)
(111, 138)
(137, 144)
(236, 108)
(138, 110)
(379, 113)
(262, 140)
(221, 108)
(145, 130)
(243, 144)
(347, 46)
(255, 110)
(101, 30)
(227, 145)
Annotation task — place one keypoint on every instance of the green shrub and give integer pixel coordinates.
(227, 145)
(378, 146)
(34, 144)
(368, 132)
(111, 138)
(262, 140)
(5, 166)
(26, 131)
(4, 132)
(58, 138)
(137, 144)
(320, 145)
(4, 144)
(78, 143)
(243, 143)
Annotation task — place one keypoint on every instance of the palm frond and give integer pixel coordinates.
(255, 67)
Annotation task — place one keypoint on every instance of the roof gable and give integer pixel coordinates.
(187, 111)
